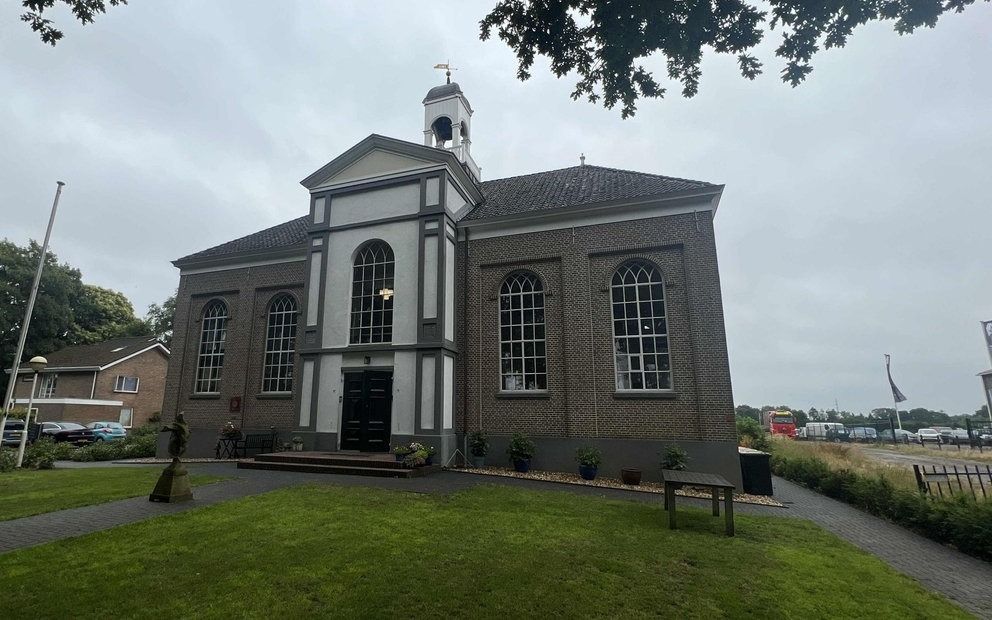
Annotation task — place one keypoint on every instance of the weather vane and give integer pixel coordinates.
(447, 70)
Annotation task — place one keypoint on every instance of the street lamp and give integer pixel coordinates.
(37, 364)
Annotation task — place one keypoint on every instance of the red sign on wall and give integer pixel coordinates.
(235, 404)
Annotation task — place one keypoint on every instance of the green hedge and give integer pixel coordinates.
(961, 521)
(135, 445)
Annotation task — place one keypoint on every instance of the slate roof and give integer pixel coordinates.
(293, 232)
(569, 187)
(443, 90)
(96, 354)
(541, 191)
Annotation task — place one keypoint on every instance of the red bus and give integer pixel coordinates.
(779, 423)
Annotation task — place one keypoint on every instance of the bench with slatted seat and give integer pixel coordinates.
(677, 479)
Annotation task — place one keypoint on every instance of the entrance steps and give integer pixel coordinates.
(342, 463)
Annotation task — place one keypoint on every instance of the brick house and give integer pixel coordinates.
(415, 301)
(120, 380)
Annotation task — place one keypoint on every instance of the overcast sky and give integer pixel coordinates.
(855, 222)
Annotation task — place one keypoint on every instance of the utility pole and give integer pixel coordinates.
(8, 401)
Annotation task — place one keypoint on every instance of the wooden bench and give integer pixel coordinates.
(678, 479)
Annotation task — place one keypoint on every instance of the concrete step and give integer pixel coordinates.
(335, 459)
(346, 470)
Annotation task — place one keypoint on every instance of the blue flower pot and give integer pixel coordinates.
(521, 465)
(399, 457)
(429, 460)
(587, 472)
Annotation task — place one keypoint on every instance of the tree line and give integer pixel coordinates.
(67, 311)
(912, 419)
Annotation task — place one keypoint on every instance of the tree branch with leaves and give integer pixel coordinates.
(83, 10)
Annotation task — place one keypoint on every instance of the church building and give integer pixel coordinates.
(415, 301)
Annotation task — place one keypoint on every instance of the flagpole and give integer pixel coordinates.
(895, 404)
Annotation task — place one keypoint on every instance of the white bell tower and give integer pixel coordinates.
(448, 122)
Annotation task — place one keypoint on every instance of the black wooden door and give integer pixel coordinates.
(368, 402)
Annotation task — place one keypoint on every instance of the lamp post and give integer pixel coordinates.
(37, 364)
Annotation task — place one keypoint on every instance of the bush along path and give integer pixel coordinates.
(961, 521)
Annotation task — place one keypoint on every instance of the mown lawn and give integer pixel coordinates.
(324, 551)
(26, 493)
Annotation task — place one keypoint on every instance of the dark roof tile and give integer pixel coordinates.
(96, 354)
(293, 232)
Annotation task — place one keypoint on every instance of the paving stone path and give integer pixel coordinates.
(955, 575)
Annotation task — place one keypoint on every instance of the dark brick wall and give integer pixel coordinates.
(247, 293)
(576, 265)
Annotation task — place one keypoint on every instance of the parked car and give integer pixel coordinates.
(68, 432)
(107, 431)
(862, 433)
(925, 435)
(801, 433)
(827, 431)
(954, 435)
(12, 432)
(902, 436)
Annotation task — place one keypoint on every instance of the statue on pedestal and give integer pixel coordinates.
(173, 484)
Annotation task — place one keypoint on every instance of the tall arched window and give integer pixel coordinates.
(280, 345)
(372, 294)
(640, 328)
(523, 360)
(213, 334)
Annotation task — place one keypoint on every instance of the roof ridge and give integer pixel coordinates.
(610, 168)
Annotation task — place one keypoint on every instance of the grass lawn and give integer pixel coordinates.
(26, 493)
(325, 551)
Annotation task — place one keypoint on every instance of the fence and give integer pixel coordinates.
(951, 481)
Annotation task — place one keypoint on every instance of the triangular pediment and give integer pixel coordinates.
(376, 163)
(376, 156)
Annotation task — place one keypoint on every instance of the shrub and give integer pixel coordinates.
(478, 443)
(135, 446)
(41, 454)
(417, 458)
(750, 434)
(961, 520)
(675, 458)
(402, 450)
(587, 456)
(521, 448)
(8, 460)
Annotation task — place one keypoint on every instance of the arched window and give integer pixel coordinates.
(280, 344)
(372, 294)
(523, 359)
(640, 328)
(210, 361)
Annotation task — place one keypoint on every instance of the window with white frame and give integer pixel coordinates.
(280, 344)
(210, 361)
(124, 383)
(127, 417)
(47, 384)
(523, 361)
(372, 294)
(640, 328)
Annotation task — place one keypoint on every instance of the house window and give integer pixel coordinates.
(523, 361)
(372, 294)
(127, 417)
(280, 343)
(640, 328)
(46, 388)
(210, 361)
(126, 384)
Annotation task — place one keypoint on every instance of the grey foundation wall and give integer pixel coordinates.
(715, 457)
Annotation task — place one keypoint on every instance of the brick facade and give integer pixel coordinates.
(576, 265)
(247, 292)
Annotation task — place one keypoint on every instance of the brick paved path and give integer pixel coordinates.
(959, 577)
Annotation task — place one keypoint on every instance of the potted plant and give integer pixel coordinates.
(674, 458)
(297, 444)
(401, 452)
(230, 431)
(630, 475)
(520, 451)
(416, 458)
(431, 451)
(478, 445)
(589, 459)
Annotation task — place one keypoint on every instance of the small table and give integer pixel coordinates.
(227, 447)
(678, 479)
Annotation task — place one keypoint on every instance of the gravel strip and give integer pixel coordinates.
(612, 483)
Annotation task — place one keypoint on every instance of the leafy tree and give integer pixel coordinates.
(159, 319)
(982, 411)
(604, 41)
(746, 411)
(83, 10)
(101, 314)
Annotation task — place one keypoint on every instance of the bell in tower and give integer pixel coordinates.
(448, 122)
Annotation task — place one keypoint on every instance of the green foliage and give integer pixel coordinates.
(521, 448)
(416, 458)
(675, 458)
(604, 42)
(83, 10)
(43, 453)
(478, 443)
(8, 460)
(101, 314)
(589, 456)
(402, 450)
(140, 443)
(961, 520)
(750, 434)
(159, 319)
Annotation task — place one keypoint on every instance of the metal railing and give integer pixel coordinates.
(941, 480)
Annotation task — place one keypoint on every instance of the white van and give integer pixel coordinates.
(827, 431)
